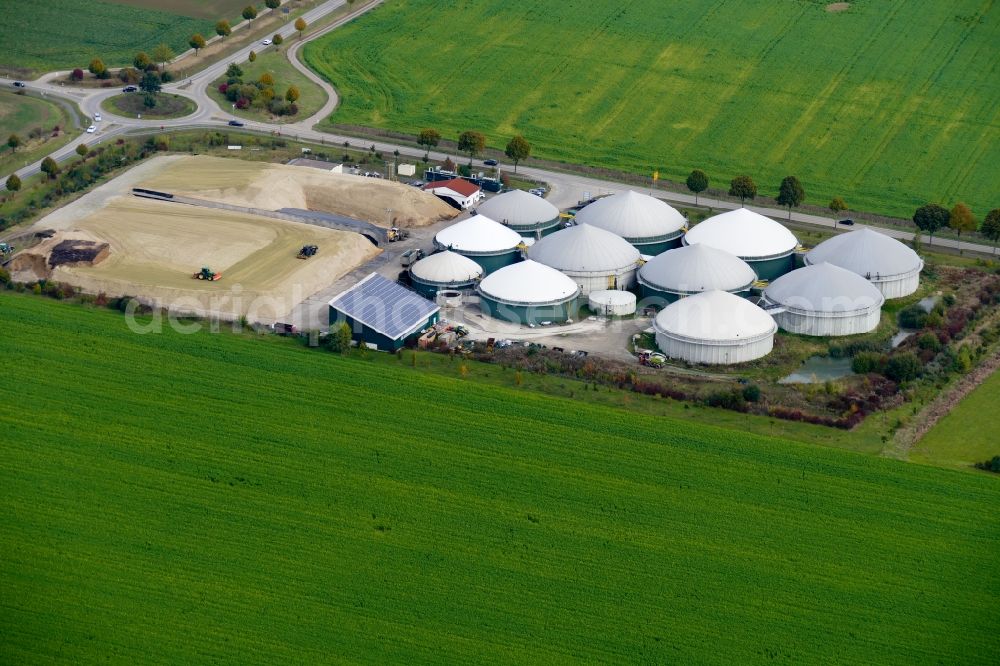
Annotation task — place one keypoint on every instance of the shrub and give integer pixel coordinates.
(865, 362)
(929, 341)
(731, 399)
(223, 87)
(903, 367)
(912, 316)
(991, 465)
(76, 75)
(962, 362)
(751, 393)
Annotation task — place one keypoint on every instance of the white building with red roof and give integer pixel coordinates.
(458, 192)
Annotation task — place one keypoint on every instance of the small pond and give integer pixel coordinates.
(819, 369)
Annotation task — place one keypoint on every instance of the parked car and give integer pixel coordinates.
(130, 88)
(97, 117)
(19, 84)
(266, 42)
(490, 162)
(91, 129)
(236, 123)
(846, 223)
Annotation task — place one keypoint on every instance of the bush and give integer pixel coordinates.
(962, 361)
(166, 77)
(464, 170)
(929, 341)
(912, 316)
(866, 362)
(903, 367)
(751, 393)
(76, 75)
(732, 399)
(991, 465)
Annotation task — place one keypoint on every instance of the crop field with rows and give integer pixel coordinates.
(888, 104)
(204, 497)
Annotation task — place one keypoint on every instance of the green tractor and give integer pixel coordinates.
(207, 274)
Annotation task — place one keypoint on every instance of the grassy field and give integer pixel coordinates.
(204, 9)
(969, 434)
(888, 104)
(274, 61)
(63, 34)
(19, 114)
(194, 498)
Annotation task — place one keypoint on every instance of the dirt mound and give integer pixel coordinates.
(835, 7)
(276, 186)
(64, 248)
(78, 253)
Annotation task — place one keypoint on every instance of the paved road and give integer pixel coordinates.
(566, 189)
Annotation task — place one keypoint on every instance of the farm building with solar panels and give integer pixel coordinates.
(383, 313)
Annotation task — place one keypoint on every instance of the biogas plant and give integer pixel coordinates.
(715, 292)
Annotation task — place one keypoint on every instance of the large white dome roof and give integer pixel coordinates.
(446, 267)
(518, 207)
(632, 216)
(697, 268)
(868, 253)
(528, 282)
(714, 316)
(585, 249)
(824, 288)
(478, 234)
(746, 234)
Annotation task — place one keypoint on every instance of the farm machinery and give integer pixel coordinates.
(307, 251)
(207, 274)
(396, 234)
(651, 358)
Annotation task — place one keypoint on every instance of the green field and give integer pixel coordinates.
(63, 34)
(888, 104)
(133, 104)
(19, 114)
(970, 433)
(196, 498)
(276, 63)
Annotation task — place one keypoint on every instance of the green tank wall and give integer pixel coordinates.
(658, 247)
(429, 291)
(537, 231)
(520, 314)
(771, 269)
(494, 262)
(656, 298)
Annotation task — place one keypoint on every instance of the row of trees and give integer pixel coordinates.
(223, 29)
(790, 192)
(929, 218)
(473, 144)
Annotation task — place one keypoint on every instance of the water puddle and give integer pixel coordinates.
(819, 369)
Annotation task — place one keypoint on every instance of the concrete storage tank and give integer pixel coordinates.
(527, 214)
(528, 293)
(444, 271)
(612, 302)
(649, 224)
(766, 245)
(488, 243)
(885, 262)
(594, 258)
(693, 269)
(824, 299)
(714, 327)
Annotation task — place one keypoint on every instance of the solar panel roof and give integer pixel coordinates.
(384, 306)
